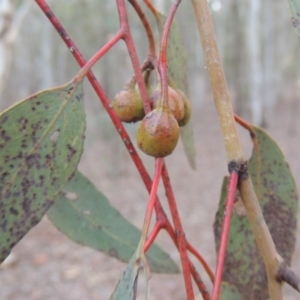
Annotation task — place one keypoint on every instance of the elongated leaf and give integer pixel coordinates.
(294, 6)
(229, 292)
(178, 72)
(85, 215)
(276, 191)
(126, 288)
(41, 143)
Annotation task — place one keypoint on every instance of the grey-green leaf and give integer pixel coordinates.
(126, 288)
(294, 7)
(277, 194)
(229, 292)
(178, 73)
(41, 142)
(85, 215)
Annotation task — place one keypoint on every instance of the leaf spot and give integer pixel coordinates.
(70, 195)
(54, 137)
(239, 207)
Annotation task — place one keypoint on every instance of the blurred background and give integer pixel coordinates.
(261, 57)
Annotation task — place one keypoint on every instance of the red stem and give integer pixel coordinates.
(195, 274)
(99, 54)
(199, 282)
(202, 261)
(157, 227)
(152, 8)
(160, 214)
(162, 66)
(146, 25)
(225, 232)
(102, 96)
(133, 54)
(245, 124)
(179, 235)
(159, 162)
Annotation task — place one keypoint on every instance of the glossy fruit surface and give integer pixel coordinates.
(175, 102)
(158, 133)
(128, 106)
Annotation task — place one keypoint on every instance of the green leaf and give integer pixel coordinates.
(126, 288)
(277, 194)
(85, 216)
(41, 142)
(178, 73)
(294, 6)
(229, 292)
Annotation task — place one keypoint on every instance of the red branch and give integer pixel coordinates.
(179, 234)
(225, 232)
(99, 91)
(160, 214)
(195, 274)
(98, 55)
(162, 66)
(152, 8)
(202, 261)
(146, 25)
(245, 124)
(162, 219)
(152, 236)
(133, 55)
(152, 197)
(199, 282)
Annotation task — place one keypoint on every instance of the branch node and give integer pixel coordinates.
(243, 171)
(233, 166)
(285, 274)
(239, 167)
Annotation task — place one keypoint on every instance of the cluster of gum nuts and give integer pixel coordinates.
(158, 133)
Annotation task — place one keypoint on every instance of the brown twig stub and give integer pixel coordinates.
(287, 275)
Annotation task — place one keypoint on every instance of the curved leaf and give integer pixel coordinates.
(85, 216)
(178, 73)
(41, 141)
(294, 7)
(277, 194)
